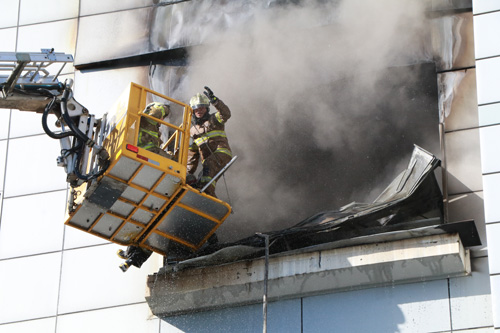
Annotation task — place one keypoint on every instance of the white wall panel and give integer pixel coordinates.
(35, 11)
(478, 330)
(9, 13)
(495, 298)
(4, 123)
(92, 277)
(47, 325)
(165, 327)
(99, 91)
(32, 224)
(32, 167)
(61, 36)
(488, 80)
(74, 238)
(490, 157)
(127, 34)
(491, 185)
(8, 39)
(3, 155)
(486, 41)
(489, 114)
(25, 123)
(28, 287)
(471, 298)
(90, 7)
(493, 234)
(420, 307)
(124, 319)
(482, 6)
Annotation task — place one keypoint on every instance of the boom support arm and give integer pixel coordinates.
(28, 86)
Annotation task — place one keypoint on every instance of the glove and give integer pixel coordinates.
(191, 179)
(209, 93)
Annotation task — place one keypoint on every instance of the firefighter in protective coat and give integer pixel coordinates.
(210, 142)
(149, 130)
(149, 139)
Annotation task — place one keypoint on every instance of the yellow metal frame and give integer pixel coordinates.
(125, 122)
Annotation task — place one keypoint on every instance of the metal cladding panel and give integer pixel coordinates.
(457, 98)
(199, 202)
(186, 225)
(107, 225)
(147, 177)
(124, 168)
(128, 233)
(453, 40)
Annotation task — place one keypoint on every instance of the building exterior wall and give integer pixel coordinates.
(57, 279)
(487, 53)
(54, 278)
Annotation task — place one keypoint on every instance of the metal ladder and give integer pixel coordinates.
(26, 70)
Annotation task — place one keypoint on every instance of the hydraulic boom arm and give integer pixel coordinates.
(26, 84)
(124, 190)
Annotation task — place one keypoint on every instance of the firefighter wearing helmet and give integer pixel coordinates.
(210, 144)
(149, 139)
(149, 130)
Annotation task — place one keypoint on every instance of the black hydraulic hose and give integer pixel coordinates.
(46, 127)
(64, 100)
(81, 138)
(88, 176)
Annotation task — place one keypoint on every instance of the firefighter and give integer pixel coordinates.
(149, 130)
(209, 139)
(149, 139)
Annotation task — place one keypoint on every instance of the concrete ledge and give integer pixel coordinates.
(310, 273)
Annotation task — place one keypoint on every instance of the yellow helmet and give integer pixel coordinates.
(198, 101)
(155, 109)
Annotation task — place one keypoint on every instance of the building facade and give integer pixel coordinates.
(57, 279)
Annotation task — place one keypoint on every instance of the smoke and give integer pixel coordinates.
(327, 99)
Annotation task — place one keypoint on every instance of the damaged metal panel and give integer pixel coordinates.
(413, 200)
(453, 39)
(398, 238)
(168, 25)
(458, 99)
(414, 195)
(176, 25)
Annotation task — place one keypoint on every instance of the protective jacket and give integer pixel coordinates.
(210, 144)
(149, 131)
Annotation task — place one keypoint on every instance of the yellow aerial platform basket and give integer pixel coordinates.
(143, 199)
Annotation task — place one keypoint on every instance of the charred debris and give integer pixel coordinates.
(411, 206)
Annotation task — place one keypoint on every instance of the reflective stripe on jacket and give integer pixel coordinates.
(149, 133)
(209, 137)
